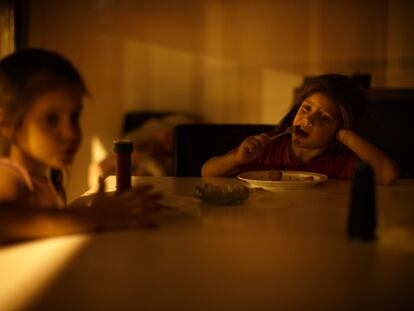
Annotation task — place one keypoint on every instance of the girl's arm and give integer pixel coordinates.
(221, 166)
(385, 169)
(229, 164)
(9, 186)
(102, 212)
(19, 222)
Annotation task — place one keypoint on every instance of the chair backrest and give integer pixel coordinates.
(387, 125)
(134, 119)
(196, 143)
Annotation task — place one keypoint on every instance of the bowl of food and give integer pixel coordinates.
(222, 194)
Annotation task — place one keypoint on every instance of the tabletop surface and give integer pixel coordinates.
(284, 250)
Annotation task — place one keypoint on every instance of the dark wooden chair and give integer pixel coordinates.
(134, 119)
(196, 143)
(387, 124)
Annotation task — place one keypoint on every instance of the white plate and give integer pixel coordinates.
(289, 180)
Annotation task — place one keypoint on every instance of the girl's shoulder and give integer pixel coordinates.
(19, 171)
(14, 180)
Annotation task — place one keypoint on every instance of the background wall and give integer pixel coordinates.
(226, 60)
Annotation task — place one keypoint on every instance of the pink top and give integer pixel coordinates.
(277, 156)
(42, 193)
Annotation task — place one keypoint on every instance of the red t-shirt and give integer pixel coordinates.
(277, 156)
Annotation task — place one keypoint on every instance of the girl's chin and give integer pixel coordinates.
(302, 142)
(62, 163)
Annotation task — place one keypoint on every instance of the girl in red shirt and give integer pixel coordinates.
(319, 137)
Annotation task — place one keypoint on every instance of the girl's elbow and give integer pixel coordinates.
(389, 176)
(206, 171)
(386, 181)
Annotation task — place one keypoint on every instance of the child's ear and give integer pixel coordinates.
(2, 118)
(5, 127)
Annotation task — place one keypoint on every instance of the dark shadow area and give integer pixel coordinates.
(387, 125)
(196, 143)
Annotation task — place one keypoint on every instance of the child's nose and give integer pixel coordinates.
(69, 132)
(308, 121)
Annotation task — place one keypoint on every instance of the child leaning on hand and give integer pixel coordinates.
(41, 99)
(323, 139)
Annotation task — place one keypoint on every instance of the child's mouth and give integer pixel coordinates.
(299, 131)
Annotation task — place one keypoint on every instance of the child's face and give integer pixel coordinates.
(50, 132)
(318, 118)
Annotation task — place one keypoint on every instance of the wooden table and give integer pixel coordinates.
(286, 250)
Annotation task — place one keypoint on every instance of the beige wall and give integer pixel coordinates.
(228, 60)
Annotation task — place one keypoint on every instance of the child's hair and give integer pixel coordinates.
(25, 75)
(31, 72)
(345, 91)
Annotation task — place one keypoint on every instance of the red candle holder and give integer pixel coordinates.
(123, 150)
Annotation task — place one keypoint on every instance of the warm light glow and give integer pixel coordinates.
(27, 268)
(98, 153)
(7, 29)
(98, 150)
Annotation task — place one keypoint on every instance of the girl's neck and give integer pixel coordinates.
(303, 155)
(35, 168)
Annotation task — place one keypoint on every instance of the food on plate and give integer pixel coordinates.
(275, 175)
(289, 180)
(297, 178)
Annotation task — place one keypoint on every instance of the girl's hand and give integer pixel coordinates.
(251, 148)
(342, 136)
(386, 171)
(125, 209)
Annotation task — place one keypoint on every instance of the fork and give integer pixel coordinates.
(289, 130)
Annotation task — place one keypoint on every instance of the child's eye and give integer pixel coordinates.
(325, 119)
(74, 117)
(52, 120)
(306, 107)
